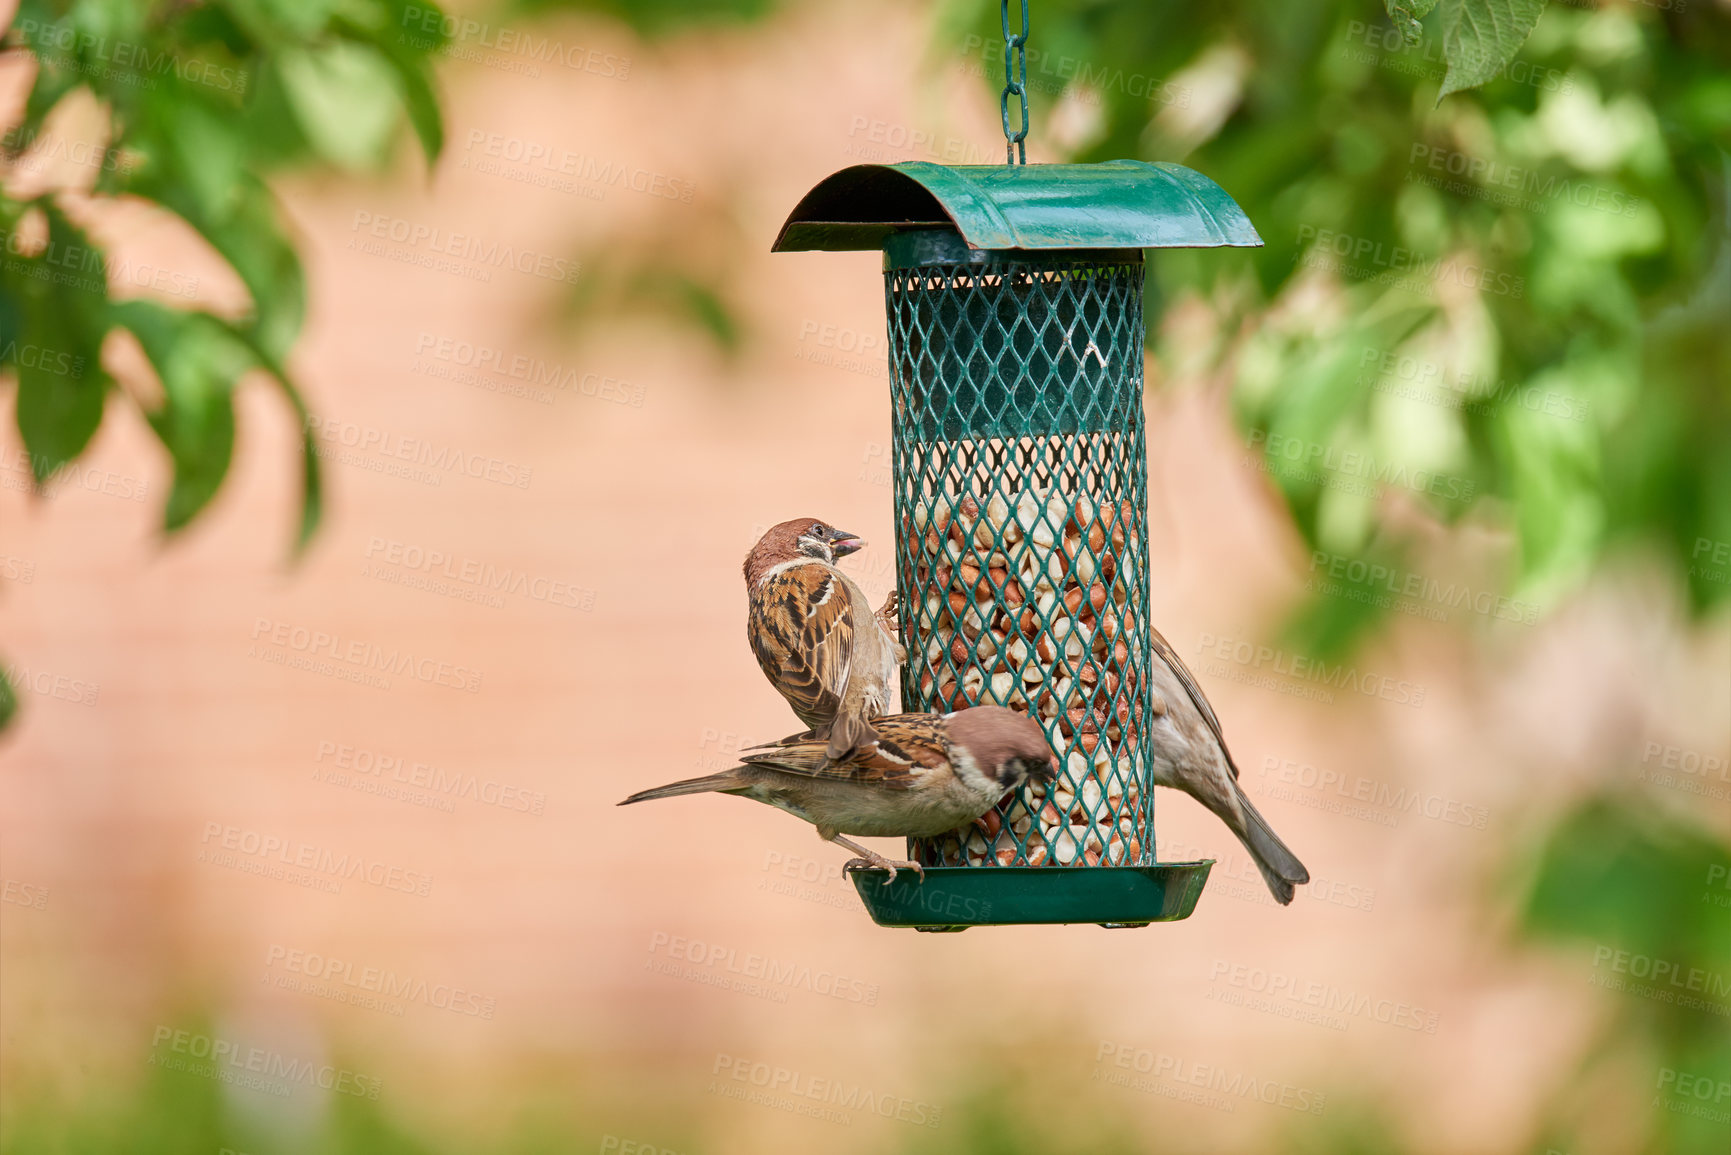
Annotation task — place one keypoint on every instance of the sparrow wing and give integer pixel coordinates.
(802, 634)
(907, 743)
(1167, 654)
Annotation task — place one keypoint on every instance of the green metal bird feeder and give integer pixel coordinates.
(1013, 296)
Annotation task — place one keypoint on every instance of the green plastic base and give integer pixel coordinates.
(957, 897)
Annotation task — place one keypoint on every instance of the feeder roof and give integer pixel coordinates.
(1117, 204)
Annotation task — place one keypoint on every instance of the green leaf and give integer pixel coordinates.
(202, 449)
(209, 154)
(199, 361)
(410, 56)
(312, 484)
(8, 700)
(252, 241)
(345, 98)
(197, 166)
(62, 387)
(1480, 37)
(421, 101)
(57, 416)
(709, 307)
(11, 325)
(33, 26)
(302, 18)
(1406, 15)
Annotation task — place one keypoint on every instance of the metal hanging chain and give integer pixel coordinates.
(1015, 84)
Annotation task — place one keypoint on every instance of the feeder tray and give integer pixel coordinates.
(956, 897)
(1013, 296)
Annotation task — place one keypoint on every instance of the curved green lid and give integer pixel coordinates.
(1117, 204)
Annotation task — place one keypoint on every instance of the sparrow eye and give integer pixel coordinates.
(817, 530)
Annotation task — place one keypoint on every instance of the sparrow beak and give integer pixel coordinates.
(842, 543)
(1050, 773)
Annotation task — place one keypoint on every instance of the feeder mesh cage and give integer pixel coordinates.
(1020, 481)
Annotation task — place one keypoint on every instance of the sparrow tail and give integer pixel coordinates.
(1279, 866)
(805, 736)
(726, 780)
(848, 734)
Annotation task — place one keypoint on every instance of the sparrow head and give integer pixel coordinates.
(825, 542)
(801, 537)
(1006, 747)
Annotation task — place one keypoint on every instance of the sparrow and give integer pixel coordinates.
(922, 775)
(815, 635)
(1190, 754)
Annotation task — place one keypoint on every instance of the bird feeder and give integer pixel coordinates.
(1013, 296)
(1014, 302)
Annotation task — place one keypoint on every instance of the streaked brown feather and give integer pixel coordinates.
(905, 741)
(1166, 653)
(801, 631)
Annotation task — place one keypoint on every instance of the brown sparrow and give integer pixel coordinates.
(924, 774)
(1190, 754)
(815, 635)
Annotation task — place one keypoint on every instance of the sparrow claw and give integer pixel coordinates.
(887, 614)
(853, 864)
(878, 862)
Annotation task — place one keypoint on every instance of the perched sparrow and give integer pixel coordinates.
(1190, 755)
(815, 635)
(923, 775)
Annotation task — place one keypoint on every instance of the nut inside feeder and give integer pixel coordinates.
(1013, 297)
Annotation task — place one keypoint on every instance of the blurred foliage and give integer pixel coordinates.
(1643, 893)
(175, 1113)
(1508, 306)
(1615, 874)
(657, 17)
(178, 1112)
(681, 272)
(1623, 885)
(1006, 1103)
(199, 103)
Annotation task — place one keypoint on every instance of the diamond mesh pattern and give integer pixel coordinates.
(1021, 495)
